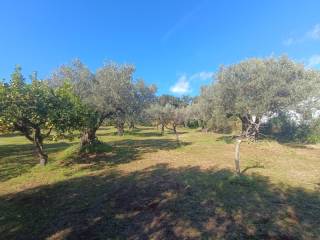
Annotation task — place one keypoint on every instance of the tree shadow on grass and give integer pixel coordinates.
(298, 145)
(135, 132)
(254, 166)
(152, 134)
(141, 133)
(161, 203)
(5, 135)
(17, 159)
(228, 139)
(125, 151)
(179, 132)
(288, 143)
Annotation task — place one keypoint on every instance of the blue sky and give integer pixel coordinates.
(175, 44)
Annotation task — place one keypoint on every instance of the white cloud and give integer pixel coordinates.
(202, 75)
(181, 86)
(313, 34)
(313, 61)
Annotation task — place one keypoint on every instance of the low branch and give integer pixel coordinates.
(48, 133)
(24, 130)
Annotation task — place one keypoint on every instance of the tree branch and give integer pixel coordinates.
(48, 133)
(24, 130)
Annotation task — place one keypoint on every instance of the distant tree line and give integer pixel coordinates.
(261, 94)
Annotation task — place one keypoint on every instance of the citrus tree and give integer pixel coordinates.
(35, 110)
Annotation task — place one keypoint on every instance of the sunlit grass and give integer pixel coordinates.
(189, 183)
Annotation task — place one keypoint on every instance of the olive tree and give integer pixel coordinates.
(143, 97)
(258, 88)
(159, 115)
(114, 92)
(167, 116)
(85, 86)
(175, 117)
(35, 109)
(110, 93)
(202, 109)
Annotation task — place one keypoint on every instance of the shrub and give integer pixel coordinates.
(283, 128)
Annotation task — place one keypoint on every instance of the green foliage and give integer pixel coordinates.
(143, 97)
(82, 84)
(159, 113)
(35, 109)
(206, 114)
(113, 90)
(35, 104)
(263, 86)
(220, 124)
(284, 128)
(192, 124)
(257, 88)
(165, 99)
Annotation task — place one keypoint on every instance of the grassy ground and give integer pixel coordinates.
(147, 186)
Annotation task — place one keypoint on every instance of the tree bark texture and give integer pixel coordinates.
(38, 142)
(175, 132)
(88, 137)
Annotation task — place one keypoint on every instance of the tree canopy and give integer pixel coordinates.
(258, 88)
(35, 109)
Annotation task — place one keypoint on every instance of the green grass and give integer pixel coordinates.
(147, 186)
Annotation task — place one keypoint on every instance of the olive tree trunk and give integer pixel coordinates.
(250, 126)
(244, 124)
(88, 137)
(175, 132)
(162, 129)
(120, 128)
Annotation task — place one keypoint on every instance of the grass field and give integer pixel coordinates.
(147, 186)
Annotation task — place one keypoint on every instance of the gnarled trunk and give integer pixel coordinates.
(250, 126)
(256, 126)
(43, 158)
(162, 129)
(88, 137)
